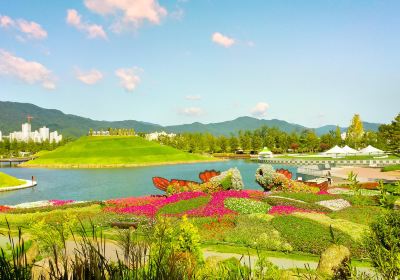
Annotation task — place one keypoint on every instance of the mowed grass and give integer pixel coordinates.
(109, 151)
(9, 181)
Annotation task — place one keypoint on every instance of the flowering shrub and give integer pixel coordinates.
(268, 179)
(133, 201)
(285, 210)
(57, 202)
(246, 206)
(228, 180)
(216, 205)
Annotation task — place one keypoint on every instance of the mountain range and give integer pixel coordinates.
(13, 114)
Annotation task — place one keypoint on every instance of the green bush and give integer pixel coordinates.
(383, 245)
(309, 236)
(358, 214)
(306, 197)
(361, 200)
(246, 205)
(257, 232)
(394, 167)
(274, 201)
(184, 205)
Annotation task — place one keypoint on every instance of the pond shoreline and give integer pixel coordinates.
(118, 165)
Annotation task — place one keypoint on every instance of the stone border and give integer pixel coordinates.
(369, 162)
(28, 184)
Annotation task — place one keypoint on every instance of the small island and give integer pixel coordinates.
(113, 151)
(10, 183)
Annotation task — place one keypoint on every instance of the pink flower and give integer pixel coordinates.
(216, 205)
(57, 202)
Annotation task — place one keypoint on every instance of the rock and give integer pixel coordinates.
(335, 204)
(334, 260)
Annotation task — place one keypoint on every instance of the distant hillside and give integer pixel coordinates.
(13, 114)
(113, 151)
(234, 126)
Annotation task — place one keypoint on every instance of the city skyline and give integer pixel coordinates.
(176, 62)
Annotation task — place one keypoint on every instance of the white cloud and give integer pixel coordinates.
(90, 77)
(30, 72)
(129, 78)
(30, 29)
(92, 30)
(260, 110)
(192, 111)
(193, 97)
(128, 13)
(222, 40)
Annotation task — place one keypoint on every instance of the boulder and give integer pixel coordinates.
(334, 260)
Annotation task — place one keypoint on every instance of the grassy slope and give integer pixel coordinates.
(9, 181)
(113, 150)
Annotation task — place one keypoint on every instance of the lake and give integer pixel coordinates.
(101, 184)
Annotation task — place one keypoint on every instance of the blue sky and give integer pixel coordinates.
(172, 62)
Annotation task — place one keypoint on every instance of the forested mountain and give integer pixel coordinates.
(13, 114)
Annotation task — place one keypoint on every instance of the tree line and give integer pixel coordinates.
(113, 132)
(14, 148)
(387, 138)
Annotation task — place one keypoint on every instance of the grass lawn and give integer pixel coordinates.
(9, 181)
(395, 167)
(113, 151)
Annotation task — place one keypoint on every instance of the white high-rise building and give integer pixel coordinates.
(26, 131)
(44, 133)
(27, 135)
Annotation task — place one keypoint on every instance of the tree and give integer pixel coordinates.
(355, 131)
(338, 136)
(256, 143)
(389, 135)
(233, 143)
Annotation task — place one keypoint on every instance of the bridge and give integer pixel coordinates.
(15, 160)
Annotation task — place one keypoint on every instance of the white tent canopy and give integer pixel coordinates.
(335, 151)
(265, 151)
(349, 150)
(370, 150)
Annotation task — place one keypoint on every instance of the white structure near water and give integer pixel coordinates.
(26, 134)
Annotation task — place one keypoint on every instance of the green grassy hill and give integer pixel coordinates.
(9, 181)
(112, 151)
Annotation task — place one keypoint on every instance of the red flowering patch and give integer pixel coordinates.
(4, 208)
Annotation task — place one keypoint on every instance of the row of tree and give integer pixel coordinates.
(387, 138)
(113, 132)
(15, 148)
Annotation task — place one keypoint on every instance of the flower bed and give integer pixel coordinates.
(150, 209)
(246, 205)
(57, 202)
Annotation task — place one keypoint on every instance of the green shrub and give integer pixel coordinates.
(309, 236)
(184, 205)
(394, 167)
(246, 205)
(358, 214)
(257, 232)
(383, 245)
(361, 200)
(306, 197)
(274, 201)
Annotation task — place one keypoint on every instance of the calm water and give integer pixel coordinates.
(100, 184)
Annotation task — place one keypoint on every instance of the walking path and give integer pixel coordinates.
(365, 174)
(28, 184)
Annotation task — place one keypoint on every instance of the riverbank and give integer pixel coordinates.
(119, 165)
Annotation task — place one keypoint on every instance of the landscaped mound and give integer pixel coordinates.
(9, 181)
(113, 151)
